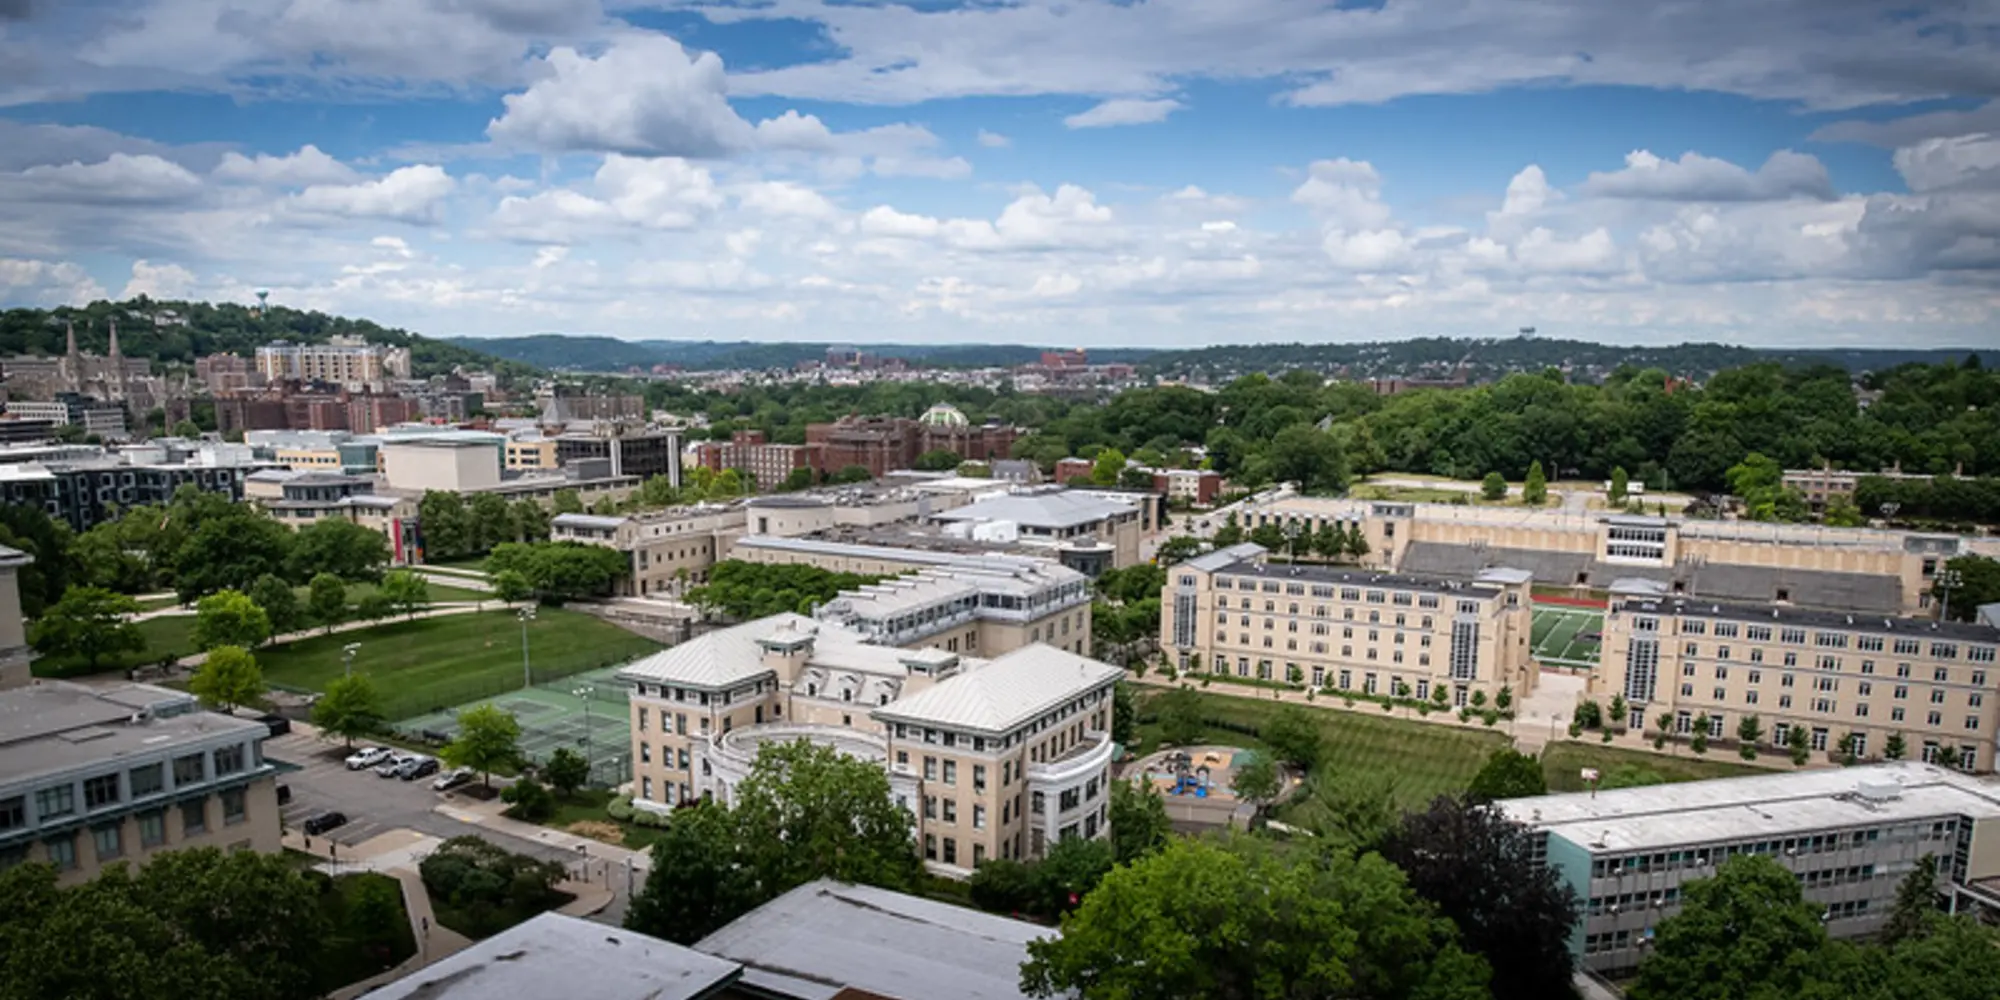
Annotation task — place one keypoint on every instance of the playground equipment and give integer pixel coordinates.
(1189, 779)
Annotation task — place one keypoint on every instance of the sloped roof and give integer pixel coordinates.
(1004, 693)
(719, 659)
(1230, 556)
(1052, 509)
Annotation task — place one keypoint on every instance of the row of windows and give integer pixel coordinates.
(1325, 592)
(1829, 706)
(108, 840)
(101, 791)
(1902, 646)
(1833, 664)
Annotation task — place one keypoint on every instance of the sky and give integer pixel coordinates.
(1098, 172)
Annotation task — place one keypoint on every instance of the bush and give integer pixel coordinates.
(529, 800)
(620, 808)
(1490, 717)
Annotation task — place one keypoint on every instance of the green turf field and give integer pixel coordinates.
(1557, 635)
(434, 663)
(553, 714)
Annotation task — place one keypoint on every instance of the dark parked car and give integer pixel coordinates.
(279, 724)
(323, 822)
(284, 795)
(422, 767)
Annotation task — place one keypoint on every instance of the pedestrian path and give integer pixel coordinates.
(393, 854)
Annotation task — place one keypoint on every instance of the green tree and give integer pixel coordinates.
(1294, 735)
(1072, 868)
(938, 460)
(1179, 548)
(186, 429)
(340, 547)
(1841, 513)
(228, 544)
(566, 771)
(1135, 478)
(1139, 824)
(528, 800)
(1508, 774)
(1897, 747)
(807, 811)
(1621, 484)
(852, 474)
(1916, 903)
(566, 502)
(488, 740)
(1180, 714)
(349, 708)
(29, 529)
(1978, 584)
(1303, 454)
(1750, 730)
(235, 925)
(1295, 927)
(1003, 885)
(280, 603)
(1620, 712)
(228, 678)
(407, 590)
(1256, 778)
(1745, 934)
(698, 881)
(1479, 868)
(798, 479)
(374, 606)
(1494, 487)
(1105, 469)
(1795, 740)
(89, 623)
(561, 570)
(1535, 489)
(1124, 714)
(1329, 542)
(512, 586)
(1231, 532)
(326, 598)
(229, 618)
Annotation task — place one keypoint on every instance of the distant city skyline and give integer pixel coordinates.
(1104, 173)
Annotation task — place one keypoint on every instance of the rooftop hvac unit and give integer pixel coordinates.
(1878, 790)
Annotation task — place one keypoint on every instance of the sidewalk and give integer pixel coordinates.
(488, 815)
(434, 941)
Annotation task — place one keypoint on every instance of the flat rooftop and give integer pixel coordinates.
(557, 956)
(1045, 508)
(1779, 615)
(51, 726)
(1307, 573)
(1769, 805)
(825, 937)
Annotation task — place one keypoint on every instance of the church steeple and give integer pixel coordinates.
(73, 363)
(117, 360)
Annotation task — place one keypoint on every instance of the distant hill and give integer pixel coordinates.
(608, 354)
(176, 333)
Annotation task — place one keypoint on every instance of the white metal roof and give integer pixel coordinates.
(1049, 509)
(1005, 692)
(554, 955)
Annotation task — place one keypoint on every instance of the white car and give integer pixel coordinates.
(367, 757)
(452, 778)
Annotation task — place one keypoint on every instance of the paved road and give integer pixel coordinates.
(376, 805)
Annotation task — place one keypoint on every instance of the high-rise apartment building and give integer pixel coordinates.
(344, 361)
(1348, 629)
(1854, 677)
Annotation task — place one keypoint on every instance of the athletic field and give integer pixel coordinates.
(1566, 636)
(553, 715)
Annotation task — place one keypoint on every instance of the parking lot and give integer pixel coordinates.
(373, 805)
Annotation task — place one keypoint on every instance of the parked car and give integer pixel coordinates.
(323, 822)
(388, 768)
(279, 725)
(367, 757)
(418, 767)
(452, 779)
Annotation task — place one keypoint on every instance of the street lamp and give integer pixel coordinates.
(1946, 581)
(526, 615)
(584, 692)
(347, 657)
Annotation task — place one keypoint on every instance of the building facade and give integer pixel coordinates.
(669, 551)
(644, 453)
(90, 776)
(16, 656)
(1339, 630)
(1851, 835)
(1860, 678)
(85, 492)
(768, 465)
(990, 758)
(343, 361)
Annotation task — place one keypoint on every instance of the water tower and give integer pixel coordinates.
(263, 299)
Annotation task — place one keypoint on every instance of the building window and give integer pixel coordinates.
(194, 816)
(232, 806)
(62, 852)
(951, 772)
(152, 828)
(100, 791)
(979, 817)
(951, 810)
(108, 840)
(950, 850)
(228, 760)
(189, 770)
(57, 801)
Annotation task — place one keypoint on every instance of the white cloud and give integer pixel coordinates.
(1957, 162)
(1528, 192)
(994, 140)
(665, 193)
(1348, 193)
(785, 198)
(120, 178)
(645, 95)
(1695, 177)
(412, 194)
(160, 281)
(1124, 111)
(305, 167)
(1372, 250)
(52, 283)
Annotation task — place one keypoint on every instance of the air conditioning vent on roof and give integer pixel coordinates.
(1878, 790)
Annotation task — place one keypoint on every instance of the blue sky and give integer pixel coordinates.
(1085, 171)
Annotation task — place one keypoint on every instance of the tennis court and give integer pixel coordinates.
(1566, 636)
(596, 723)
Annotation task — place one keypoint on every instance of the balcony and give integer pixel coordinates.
(1078, 764)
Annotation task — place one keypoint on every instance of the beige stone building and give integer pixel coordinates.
(1832, 673)
(1847, 569)
(669, 550)
(90, 776)
(1232, 612)
(16, 657)
(1053, 517)
(991, 758)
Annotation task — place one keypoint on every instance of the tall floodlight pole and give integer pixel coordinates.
(526, 615)
(584, 692)
(347, 658)
(1947, 581)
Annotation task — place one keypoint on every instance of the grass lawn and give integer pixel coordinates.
(439, 594)
(478, 922)
(1421, 759)
(476, 564)
(1618, 767)
(587, 805)
(433, 663)
(354, 951)
(157, 603)
(167, 636)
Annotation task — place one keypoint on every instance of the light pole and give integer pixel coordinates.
(1292, 539)
(347, 658)
(1947, 580)
(584, 692)
(526, 615)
